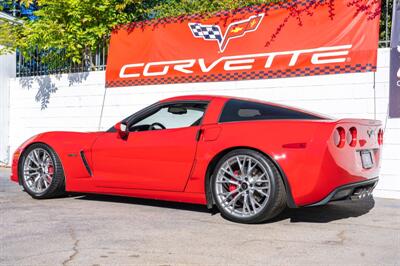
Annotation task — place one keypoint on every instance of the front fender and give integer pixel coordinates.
(67, 145)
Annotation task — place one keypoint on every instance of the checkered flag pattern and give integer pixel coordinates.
(207, 32)
(253, 75)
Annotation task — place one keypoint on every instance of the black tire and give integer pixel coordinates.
(276, 202)
(57, 186)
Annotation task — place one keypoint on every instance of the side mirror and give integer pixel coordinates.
(122, 129)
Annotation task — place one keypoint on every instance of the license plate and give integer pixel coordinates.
(366, 159)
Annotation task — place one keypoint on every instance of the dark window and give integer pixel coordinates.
(239, 110)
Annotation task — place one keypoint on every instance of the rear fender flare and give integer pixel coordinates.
(213, 163)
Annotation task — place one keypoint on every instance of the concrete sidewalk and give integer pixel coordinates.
(105, 230)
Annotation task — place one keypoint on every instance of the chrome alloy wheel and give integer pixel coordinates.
(38, 170)
(243, 186)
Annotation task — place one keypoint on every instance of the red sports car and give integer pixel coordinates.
(249, 158)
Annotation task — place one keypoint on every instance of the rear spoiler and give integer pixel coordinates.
(365, 122)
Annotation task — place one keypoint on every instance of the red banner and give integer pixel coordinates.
(291, 39)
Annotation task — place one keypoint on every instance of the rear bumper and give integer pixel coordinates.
(349, 191)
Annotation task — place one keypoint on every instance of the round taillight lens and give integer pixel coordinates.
(352, 137)
(339, 137)
(380, 136)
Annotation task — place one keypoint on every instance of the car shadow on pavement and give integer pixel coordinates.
(318, 214)
(146, 202)
(327, 213)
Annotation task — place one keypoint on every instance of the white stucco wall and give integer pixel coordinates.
(75, 103)
(7, 71)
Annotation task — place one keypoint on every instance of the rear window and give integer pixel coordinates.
(239, 110)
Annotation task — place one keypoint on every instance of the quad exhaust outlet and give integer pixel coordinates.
(361, 193)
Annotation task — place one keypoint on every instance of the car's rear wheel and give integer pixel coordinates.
(247, 187)
(41, 173)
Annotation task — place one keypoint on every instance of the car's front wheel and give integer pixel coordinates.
(247, 187)
(41, 173)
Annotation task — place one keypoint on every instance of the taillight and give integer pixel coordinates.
(352, 137)
(339, 137)
(380, 136)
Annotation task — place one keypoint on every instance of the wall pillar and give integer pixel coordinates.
(7, 72)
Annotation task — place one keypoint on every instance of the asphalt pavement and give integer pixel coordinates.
(108, 230)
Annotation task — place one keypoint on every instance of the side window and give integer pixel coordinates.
(239, 110)
(171, 116)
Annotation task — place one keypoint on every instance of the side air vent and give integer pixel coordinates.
(85, 163)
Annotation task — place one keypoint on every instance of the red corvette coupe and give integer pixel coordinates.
(249, 158)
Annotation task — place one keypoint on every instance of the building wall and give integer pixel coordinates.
(75, 102)
(7, 71)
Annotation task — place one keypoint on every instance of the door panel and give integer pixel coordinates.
(154, 159)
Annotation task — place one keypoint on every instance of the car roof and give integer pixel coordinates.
(204, 97)
(211, 97)
(193, 98)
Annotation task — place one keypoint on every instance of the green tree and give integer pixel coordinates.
(386, 22)
(75, 27)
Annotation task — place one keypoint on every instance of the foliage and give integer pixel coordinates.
(75, 27)
(174, 8)
(385, 28)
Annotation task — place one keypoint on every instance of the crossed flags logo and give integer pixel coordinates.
(234, 30)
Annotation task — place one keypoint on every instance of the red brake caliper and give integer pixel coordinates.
(50, 169)
(233, 187)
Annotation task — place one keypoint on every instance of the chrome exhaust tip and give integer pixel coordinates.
(361, 193)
